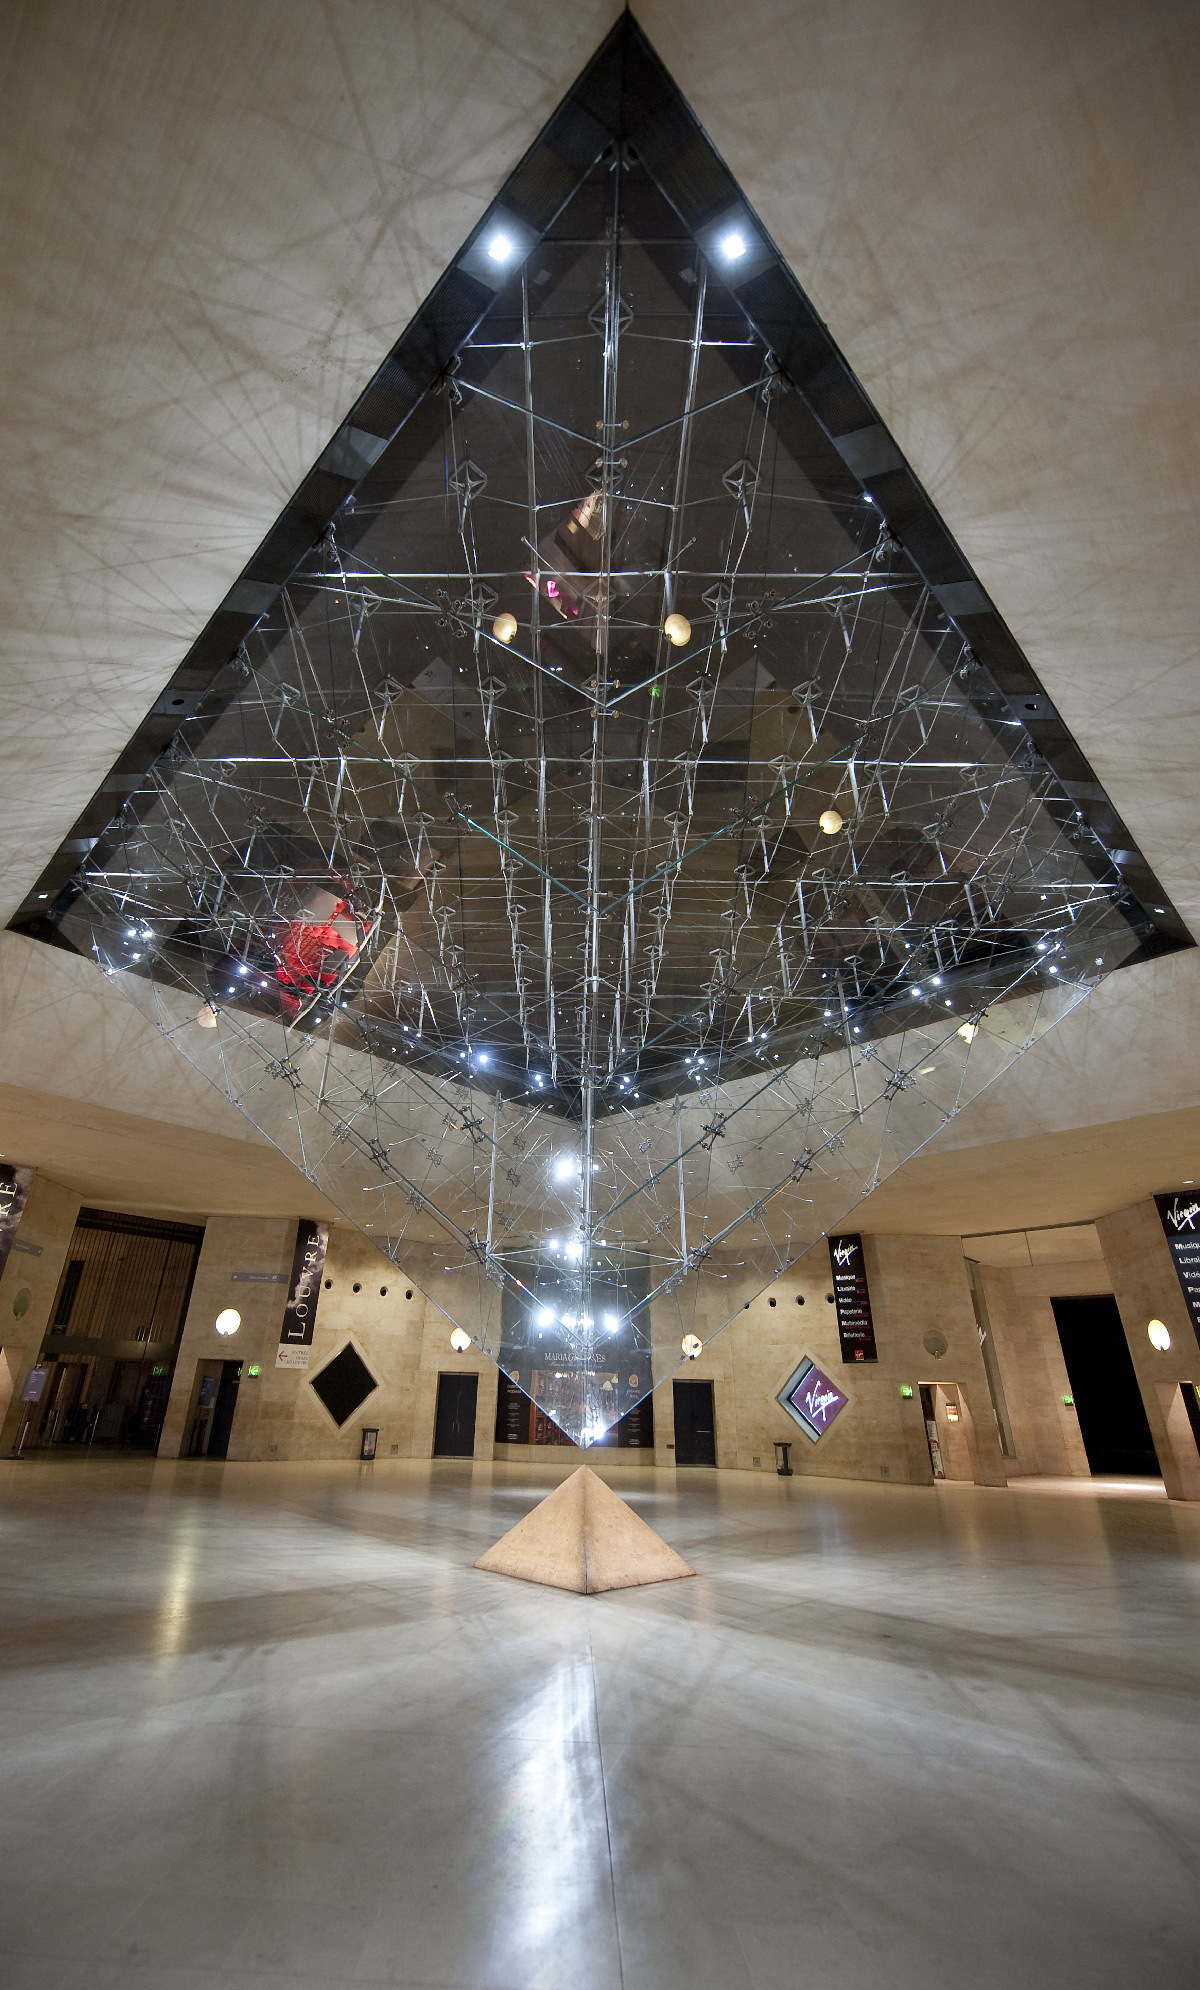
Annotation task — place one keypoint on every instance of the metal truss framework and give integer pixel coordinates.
(608, 860)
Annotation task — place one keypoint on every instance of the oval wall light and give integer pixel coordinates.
(1159, 1337)
(228, 1320)
(692, 1346)
(460, 1341)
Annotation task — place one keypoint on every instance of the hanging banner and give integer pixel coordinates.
(852, 1301)
(1180, 1218)
(15, 1184)
(300, 1313)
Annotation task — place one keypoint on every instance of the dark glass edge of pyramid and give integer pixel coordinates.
(625, 96)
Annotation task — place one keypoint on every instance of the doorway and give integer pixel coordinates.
(214, 1400)
(223, 1409)
(695, 1424)
(932, 1434)
(454, 1430)
(1112, 1418)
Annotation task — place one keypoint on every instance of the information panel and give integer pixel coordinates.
(856, 1328)
(1180, 1218)
(300, 1313)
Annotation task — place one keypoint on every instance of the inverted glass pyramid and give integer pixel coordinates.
(607, 858)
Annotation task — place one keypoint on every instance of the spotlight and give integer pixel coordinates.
(692, 1346)
(504, 628)
(733, 245)
(460, 1341)
(829, 822)
(500, 248)
(677, 630)
(1159, 1337)
(228, 1321)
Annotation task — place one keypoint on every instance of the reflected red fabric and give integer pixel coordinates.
(307, 954)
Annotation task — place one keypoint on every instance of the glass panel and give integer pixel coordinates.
(608, 862)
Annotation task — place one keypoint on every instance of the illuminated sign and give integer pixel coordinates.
(811, 1399)
(852, 1301)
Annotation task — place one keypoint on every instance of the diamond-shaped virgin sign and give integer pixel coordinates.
(606, 857)
(811, 1399)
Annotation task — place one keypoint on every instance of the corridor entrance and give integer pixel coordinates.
(210, 1415)
(109, 1351)
(1108, 1402)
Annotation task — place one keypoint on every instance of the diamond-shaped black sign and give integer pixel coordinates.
(343, 1384)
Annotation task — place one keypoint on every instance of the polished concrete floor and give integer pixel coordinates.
(266, 1725)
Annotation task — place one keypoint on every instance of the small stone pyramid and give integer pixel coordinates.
(584, 1537)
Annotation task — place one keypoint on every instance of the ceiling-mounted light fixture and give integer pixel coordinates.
(829, 821)
(500, 247)
(678, 630)
(504, 628)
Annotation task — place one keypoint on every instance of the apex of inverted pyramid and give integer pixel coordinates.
(584, 1537)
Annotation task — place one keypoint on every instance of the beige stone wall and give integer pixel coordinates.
(1045, 1427)
(403, 1338)
(1147, 1287)
(918, 1285)
(405, 1342)
(231, 1243)
(47, 1223)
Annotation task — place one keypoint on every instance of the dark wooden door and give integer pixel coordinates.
(695, 1427)
(1108, 1402)
(454, 1432)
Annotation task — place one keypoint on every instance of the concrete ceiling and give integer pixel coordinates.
(218, 219)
